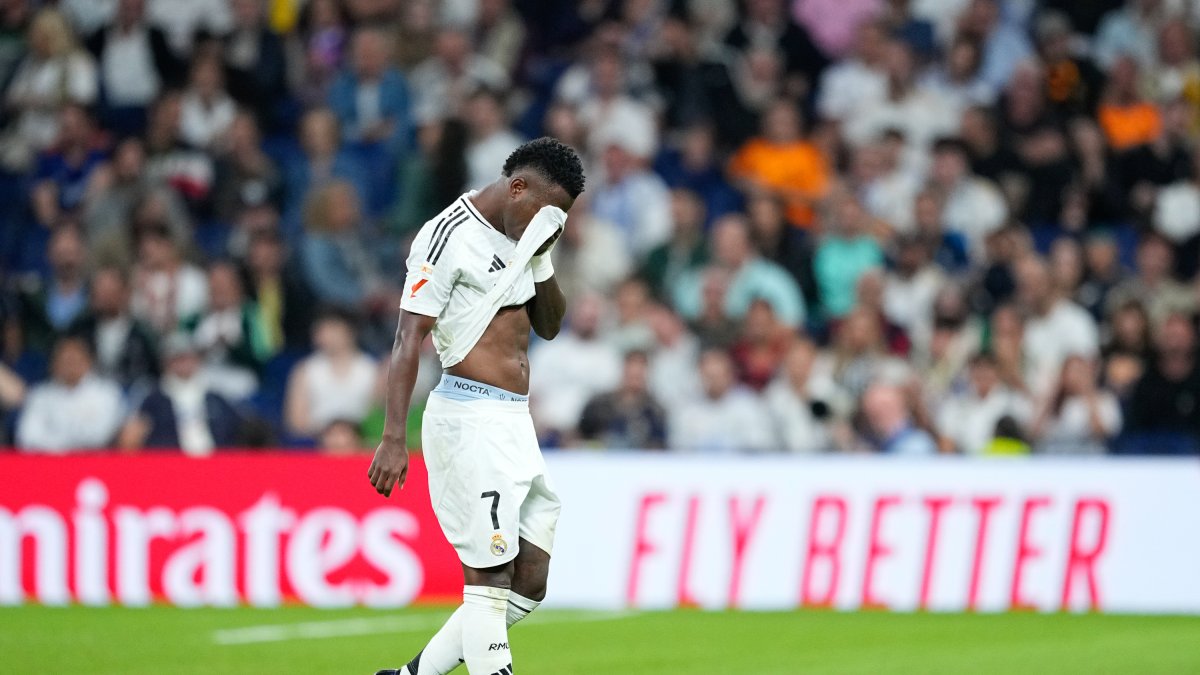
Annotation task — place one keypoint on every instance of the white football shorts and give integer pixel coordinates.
(487, 478)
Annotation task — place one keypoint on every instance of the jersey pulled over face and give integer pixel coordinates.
(455, 260)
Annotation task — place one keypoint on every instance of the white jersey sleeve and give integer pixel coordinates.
(431, 265)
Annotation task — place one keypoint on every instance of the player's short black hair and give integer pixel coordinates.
(551, 158)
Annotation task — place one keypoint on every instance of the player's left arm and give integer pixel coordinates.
(548, 305)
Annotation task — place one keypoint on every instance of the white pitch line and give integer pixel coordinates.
(319, 630)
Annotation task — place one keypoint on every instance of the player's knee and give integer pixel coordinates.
(496, 577)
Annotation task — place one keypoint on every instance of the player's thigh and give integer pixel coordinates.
(539, 513)
(476, 491)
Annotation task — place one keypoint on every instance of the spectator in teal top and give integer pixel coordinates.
(752, 277)
(845, 253)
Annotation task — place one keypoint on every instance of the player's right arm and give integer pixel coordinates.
(390, 465)
(431, 275)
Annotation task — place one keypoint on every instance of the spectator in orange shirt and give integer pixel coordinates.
(1128, 120)
(781, 162)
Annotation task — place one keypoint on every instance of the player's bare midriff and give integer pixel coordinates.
(501, 357)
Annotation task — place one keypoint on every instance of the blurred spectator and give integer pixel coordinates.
(1178, 73)
(255, 66)
(696, 81)
(14, 20)
(434, 175)
(712, 323)
(890, 423)
(833, 24)
(183, 412)
(492, 141)
(1129, 340)
(972, 206)
(750, 277)
(166, 289)
(628, 417)
(766, 24)
(1166, 159)
(500, 34)
(673, 361)
(631, 196)
(1177, 207)
(781, 162)
(692, 164)
(245, 176)
(608, 112)
(1128, 119)
(591, 256)
(779, 242)
(170, 161)
(1102, 272)
(949, 248)
(1073, 84)
(869, 297)
(918, 112)
(337, 382)
(574, 367)
(967, 419)
(859, 355)
(845, 252)
(323, 160)
(341, 437)
(370, 97)
(961, 80)
(761, 347)
(228, 335)
(54, 73)
(324, 34)
(206, 110)
(1152, 284)
(1003, 44)
(135, 64)
(721, 416)
(1079, 417)
(631, 328)
(668, 264)
(338, 263)
(911, 284)
(282, 303)
(69, 172)
(415, 33)
(185, 21)
(124, 347)
(75, 410)
(803, 407)
(1055, 326)
(1128, 31)
(1164, 401)
(442, 82)
(12, 395)
(859, 80)
(49, 308)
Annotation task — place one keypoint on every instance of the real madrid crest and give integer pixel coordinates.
(499, 546)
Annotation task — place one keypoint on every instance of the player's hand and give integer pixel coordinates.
(389, 468)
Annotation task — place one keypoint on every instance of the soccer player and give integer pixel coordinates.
(487, 478)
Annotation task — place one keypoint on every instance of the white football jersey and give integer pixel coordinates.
(455, 260)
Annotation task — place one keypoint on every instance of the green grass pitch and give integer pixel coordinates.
(295, 641)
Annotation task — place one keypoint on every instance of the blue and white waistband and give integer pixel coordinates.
(461, 389)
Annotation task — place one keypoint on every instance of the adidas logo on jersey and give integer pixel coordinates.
(497, 264)
(506, 670)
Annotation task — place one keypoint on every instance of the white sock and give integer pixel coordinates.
(484, 632)
(519, 607)
(444, 652)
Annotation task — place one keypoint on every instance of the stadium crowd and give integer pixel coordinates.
(898, 226)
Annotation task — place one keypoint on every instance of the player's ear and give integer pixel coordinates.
(516, 185)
